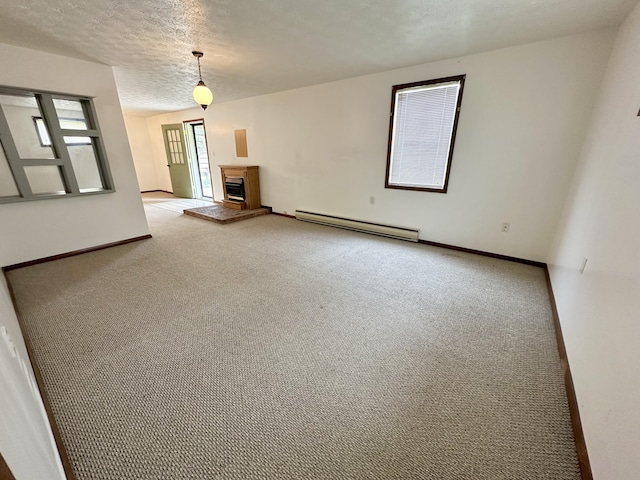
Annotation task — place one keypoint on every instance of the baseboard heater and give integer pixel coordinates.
(410, 234)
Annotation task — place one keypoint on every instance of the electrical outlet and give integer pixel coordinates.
(372, 200)
(506, 226)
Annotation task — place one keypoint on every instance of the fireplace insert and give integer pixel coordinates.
(235, 189)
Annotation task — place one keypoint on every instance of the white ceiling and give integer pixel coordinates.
(254, 47)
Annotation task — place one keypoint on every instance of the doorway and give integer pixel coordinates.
(188, 159)
(198, 152)
(177, 161)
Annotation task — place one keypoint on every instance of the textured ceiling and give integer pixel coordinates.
(254, 47)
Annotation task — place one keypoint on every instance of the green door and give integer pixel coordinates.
(177, 160)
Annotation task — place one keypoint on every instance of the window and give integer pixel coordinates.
(422, 131)
(62, 156)
(65, 123)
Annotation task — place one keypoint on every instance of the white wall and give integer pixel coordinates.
(37, 229)
(146, 167)
(157, 150)
(77, 222)
(26, 442)
(600, 310)
(323, 148)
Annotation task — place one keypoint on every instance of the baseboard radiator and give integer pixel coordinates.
(400, 233)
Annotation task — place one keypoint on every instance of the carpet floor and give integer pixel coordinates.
(276, 349)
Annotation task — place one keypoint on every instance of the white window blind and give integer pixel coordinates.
(423, 121)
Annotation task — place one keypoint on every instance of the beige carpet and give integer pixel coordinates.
(275, 349)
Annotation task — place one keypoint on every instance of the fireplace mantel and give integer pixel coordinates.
(251, 181)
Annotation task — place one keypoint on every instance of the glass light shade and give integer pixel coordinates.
(202, 95)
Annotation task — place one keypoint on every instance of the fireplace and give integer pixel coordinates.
(235, 189)
(241, 186)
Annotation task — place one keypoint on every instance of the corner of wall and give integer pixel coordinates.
(594, 268)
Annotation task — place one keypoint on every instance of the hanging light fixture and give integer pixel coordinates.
(201, 93)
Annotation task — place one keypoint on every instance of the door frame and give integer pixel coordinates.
(192, 153)
(183, 154)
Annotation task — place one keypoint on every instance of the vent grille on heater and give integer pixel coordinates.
(410, 234)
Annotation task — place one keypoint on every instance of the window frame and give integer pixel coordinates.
(59, 147)
(37, 121)
(423, 83)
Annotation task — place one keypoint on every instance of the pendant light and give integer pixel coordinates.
(201, 93)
